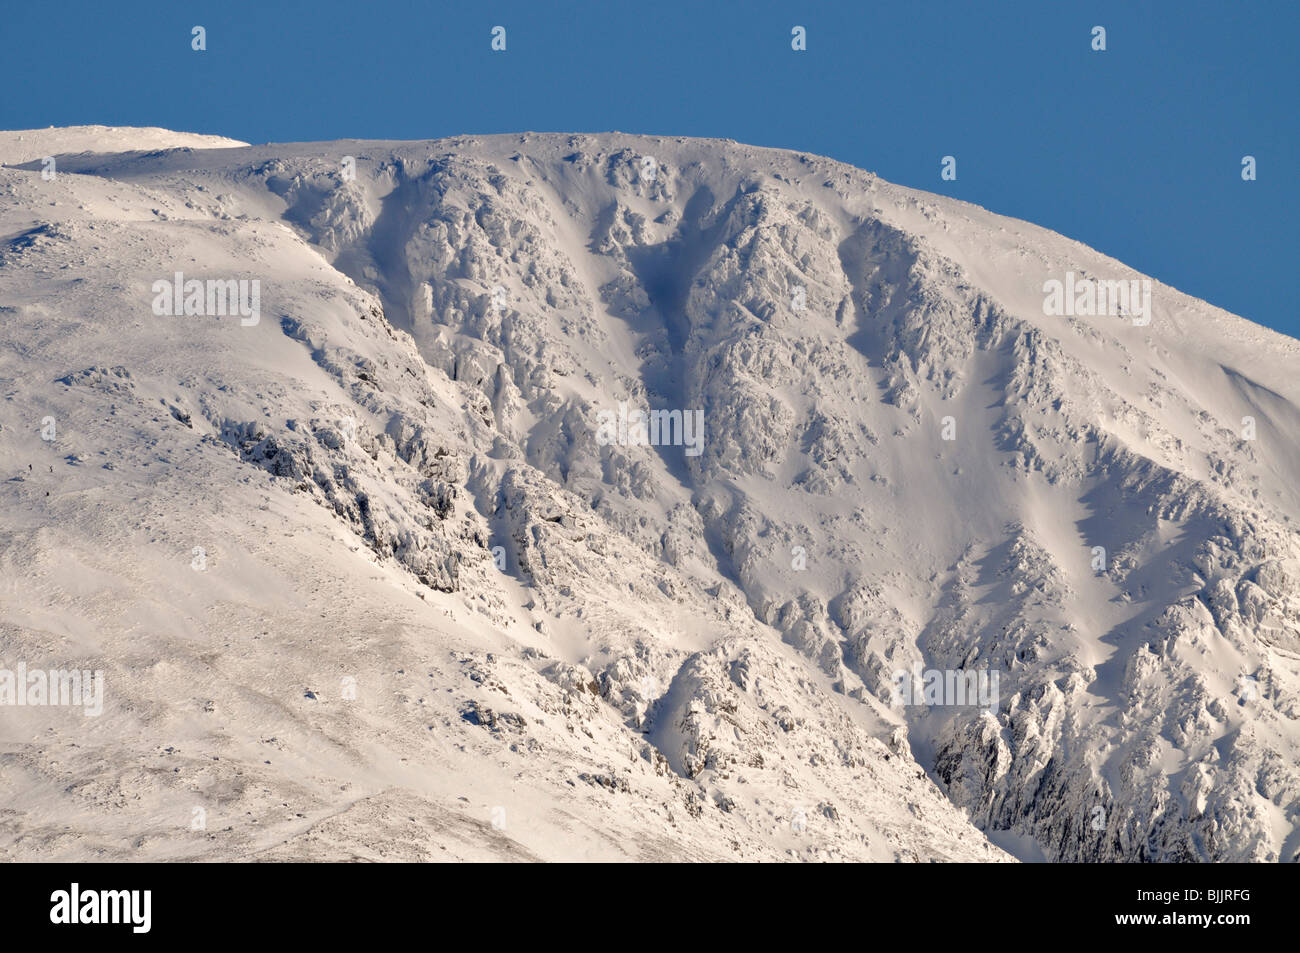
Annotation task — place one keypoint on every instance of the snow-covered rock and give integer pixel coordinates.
(528, 636)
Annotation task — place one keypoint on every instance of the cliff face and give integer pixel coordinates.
(875, 449)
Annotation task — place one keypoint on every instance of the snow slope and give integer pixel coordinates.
(27, 145)
(364, 582)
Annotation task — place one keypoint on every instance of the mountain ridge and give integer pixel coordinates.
(827, 325)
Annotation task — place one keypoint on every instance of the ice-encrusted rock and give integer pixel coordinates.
(905, 462)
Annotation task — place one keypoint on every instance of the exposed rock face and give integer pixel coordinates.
(904, 464)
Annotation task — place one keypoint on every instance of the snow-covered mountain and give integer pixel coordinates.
(331, 458)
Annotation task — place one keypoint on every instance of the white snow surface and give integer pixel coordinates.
(24, 145)
(277, 540)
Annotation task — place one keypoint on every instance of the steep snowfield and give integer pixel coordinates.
(365, 580)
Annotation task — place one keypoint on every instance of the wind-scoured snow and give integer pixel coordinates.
(366, 578)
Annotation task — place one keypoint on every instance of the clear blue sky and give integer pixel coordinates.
(1135, 151)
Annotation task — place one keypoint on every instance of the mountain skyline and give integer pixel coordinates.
(1136, 149)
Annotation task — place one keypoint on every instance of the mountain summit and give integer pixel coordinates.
(622, 497)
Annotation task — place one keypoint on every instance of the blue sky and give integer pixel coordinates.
(1136, 150)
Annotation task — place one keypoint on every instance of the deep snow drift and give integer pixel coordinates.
(379, 568)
